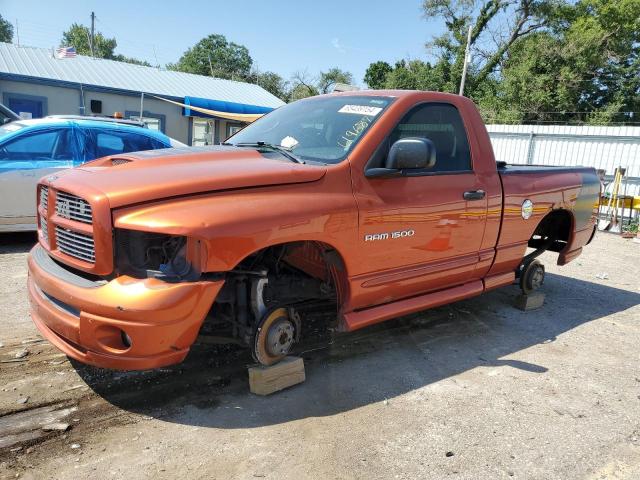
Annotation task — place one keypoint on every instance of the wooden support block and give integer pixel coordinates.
(530, 302)
(267, 380)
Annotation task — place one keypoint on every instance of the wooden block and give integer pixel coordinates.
(284, 374)
(530, 302)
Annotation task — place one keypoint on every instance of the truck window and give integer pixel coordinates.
(442, 124)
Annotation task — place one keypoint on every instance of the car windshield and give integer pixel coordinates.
(322, 129)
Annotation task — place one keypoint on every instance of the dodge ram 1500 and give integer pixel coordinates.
(380, 203)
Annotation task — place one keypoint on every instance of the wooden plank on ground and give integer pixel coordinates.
(530, 302)
(267, 380)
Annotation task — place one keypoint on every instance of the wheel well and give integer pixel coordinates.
(307, 275)
(553, 231)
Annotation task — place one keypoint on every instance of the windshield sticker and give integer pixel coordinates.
(361, 110)
(288, 142)
(353, 133)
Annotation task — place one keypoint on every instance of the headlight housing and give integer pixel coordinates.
(152, 255)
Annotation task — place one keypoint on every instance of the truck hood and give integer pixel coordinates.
(154, 175)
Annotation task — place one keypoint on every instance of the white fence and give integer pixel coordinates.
(603, 148)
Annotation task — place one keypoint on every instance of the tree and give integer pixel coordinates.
(331, 77)
(6, 30)
(533, 60)
(490, 40)
(79, 37)
(583, 68)
(376, 75)
(215, 56)
(122, 58)
(301, 91)
(302, 86)
(271, 82)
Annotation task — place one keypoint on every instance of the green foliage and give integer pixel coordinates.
(303, 86)
(533, 60)
(301, 91)
(376, 75)
(215, 56)
(78, 36)
(272, 83)
(584, 69)
(328, 79)
(135, 61)
(6, 31)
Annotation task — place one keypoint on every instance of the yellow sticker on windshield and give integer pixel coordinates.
(361, 110)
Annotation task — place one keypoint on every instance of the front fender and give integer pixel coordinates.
(234, 224)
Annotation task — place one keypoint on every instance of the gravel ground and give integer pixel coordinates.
(473, 390)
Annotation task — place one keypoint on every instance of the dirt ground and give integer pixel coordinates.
(473, 390)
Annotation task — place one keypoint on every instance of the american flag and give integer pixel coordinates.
(66, 52)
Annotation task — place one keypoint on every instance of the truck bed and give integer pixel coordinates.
(515, 169)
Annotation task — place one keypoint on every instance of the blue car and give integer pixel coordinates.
(31, 149)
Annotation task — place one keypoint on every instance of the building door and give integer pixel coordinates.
(203, 132)
(26, 107)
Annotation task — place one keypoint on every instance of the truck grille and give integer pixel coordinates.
(44, 197)
(44, 229)
(72, 207)
(76, 244)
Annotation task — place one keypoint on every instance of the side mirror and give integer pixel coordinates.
(412, 153)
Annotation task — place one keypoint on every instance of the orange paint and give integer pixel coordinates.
(233, 202)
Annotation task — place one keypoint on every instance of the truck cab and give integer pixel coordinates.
(378, 204)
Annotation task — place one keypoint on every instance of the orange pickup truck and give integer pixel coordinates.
(381, 203)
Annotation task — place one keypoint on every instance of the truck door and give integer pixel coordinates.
(422, 232)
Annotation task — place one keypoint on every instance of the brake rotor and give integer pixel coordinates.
(275, 336)
(532, 277)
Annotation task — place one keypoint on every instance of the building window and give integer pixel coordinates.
(233, 128)
(203, 132)
(26, 106)
(154, 121)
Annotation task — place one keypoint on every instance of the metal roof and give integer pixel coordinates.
(41, 63)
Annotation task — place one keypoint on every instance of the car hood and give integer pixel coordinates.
(145, 176)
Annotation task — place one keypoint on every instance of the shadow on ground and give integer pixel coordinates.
(352, 370)
(17, 242)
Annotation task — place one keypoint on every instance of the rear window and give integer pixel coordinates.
(115, 142)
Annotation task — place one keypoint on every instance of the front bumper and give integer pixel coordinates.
(85, 319)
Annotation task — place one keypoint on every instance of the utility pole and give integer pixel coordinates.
(17, 34)
(467, 59)
(93, 29)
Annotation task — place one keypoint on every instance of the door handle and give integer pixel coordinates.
(474, 195)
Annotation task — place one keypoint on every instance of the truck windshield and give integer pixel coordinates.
(322, 129)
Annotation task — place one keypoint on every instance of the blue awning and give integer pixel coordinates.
(220, 106)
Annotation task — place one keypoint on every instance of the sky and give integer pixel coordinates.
(284, 36)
